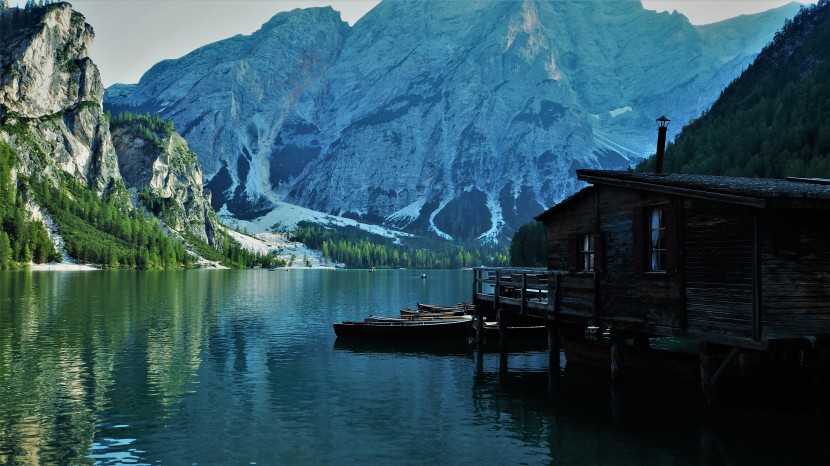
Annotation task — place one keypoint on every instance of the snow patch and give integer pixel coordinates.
(286, 217)
(409, 213)
(619, 111)
(496, 221)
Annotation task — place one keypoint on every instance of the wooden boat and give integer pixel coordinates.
(431, 310)
(392, 328)
(529, 332)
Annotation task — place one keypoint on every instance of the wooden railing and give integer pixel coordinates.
(525, 288)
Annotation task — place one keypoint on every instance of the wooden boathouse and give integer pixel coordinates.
(739, 264)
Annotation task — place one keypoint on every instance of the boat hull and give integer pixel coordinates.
(397, 330)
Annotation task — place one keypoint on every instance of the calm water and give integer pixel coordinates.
(242, 367)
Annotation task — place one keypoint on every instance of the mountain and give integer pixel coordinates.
(774, 120)
(159, 167)
(51, 88)
(62, 193)
(462, 121)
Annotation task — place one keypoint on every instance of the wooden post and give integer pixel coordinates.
(479, 325)
(502, 322)
(523, 308)
(617, 356)
(757, 310)
(553, 345)
(476, 277)
(706, 371)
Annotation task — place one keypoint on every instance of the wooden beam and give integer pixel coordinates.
(553, 345)
(617, 356)
(501, 317)
(757, 311)
(693, 193)
(724, 365)
(706, 371)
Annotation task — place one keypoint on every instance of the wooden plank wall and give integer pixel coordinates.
(796, 273)
(718, 247)
(576, 289)
(636, 300)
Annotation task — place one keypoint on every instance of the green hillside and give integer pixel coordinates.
(774, 120)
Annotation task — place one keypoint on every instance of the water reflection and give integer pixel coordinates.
(405, 347)
(234, 367)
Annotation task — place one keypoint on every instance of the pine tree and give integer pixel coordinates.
(5, 251)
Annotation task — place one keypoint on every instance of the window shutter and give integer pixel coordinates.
(638, 239)
(573, 259)
(599, 256)
(670, 219)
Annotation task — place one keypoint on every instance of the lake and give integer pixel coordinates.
(230, 367)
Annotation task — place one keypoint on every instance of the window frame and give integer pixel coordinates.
(587, 253)
(657, 240)
(668, 251)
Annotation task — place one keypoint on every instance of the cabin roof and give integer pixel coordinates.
(752, 192)
(584, 192)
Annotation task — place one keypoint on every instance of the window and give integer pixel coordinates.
(657, 240)
(586, 253)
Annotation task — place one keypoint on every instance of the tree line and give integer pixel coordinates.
(21, 241)
(359, 249)
(774, 120)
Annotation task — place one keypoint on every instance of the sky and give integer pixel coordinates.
(133, 35)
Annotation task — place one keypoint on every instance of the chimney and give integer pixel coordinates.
(662, 127)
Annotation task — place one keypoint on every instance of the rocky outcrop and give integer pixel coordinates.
(231, 98)
(159, 168)
(463, 120)
(51, 96)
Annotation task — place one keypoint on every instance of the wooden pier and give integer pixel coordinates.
(738, 265)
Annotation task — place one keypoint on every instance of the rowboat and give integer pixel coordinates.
(525, 332)
(431, 310)
(392, 328)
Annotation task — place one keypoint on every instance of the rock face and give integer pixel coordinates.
(463, 120)
(51, 114)
(50, 88)
(156, 161)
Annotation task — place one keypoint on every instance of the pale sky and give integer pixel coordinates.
(133, 35)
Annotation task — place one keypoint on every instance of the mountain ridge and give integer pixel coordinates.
(461, 122)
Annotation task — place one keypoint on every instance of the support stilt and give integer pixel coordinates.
(617, 356)
(502, 322)
(706, 371)
(553, 346)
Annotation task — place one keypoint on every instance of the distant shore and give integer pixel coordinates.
(61, 267)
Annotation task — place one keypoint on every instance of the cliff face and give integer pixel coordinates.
(52, 119)
(51, 96)
(231, 98)
(160, 168)
(463, 120)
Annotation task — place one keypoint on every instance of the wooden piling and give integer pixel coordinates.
(706, 371)
(501, 315)
(617, 356)
(553, 345)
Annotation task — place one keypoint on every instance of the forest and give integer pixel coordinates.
(774, 120)
(360, 249)
(21, 240)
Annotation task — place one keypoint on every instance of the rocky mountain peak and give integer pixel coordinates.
(51, 95)
(163, 174)
(463, 121)
(44, 65)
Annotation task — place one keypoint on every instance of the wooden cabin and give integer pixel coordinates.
(736, 263)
